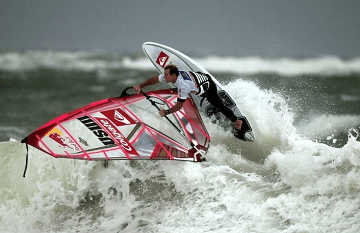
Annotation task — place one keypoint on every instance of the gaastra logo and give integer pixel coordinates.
(118, 117)
(97, 130)
(162, 59)
(117, 135)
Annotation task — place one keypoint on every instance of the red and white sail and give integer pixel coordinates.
(125, 128)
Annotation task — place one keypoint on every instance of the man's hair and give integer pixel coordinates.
(172, 69)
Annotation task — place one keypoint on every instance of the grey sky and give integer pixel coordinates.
(233, 27)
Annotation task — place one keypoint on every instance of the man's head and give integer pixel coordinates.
(171, 73)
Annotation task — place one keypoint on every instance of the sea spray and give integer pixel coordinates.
(300, 175)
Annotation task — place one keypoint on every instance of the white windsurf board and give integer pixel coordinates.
(161, 55)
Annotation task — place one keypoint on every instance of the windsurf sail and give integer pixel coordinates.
(127, 127)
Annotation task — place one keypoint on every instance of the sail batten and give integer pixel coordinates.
(126, 127)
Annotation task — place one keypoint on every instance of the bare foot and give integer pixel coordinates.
(238, 123)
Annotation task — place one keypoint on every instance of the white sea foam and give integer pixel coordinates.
(281, 182)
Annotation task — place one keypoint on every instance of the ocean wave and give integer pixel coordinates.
(323, 66)
(58, 60)
(13, 61)
(278, 177)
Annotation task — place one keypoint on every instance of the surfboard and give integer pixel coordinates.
(161, 55)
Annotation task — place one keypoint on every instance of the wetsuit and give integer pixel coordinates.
(200, 84)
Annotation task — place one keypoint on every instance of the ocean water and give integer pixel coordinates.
(300, 175)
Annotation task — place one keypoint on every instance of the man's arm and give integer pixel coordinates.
(149, 82)
(175, 108)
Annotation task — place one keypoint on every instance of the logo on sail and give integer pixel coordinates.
(121, 140)
(64, 142)
(97, 130)
(118, 117)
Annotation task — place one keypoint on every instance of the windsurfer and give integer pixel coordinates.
(189, 82)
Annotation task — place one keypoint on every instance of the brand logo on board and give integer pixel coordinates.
(162, 59)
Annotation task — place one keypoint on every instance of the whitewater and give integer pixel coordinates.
(300, 175)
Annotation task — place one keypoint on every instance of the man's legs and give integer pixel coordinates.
(214, 99)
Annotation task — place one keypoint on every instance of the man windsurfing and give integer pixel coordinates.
(189, 82)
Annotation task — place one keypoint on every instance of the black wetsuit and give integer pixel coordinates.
(208, 89)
